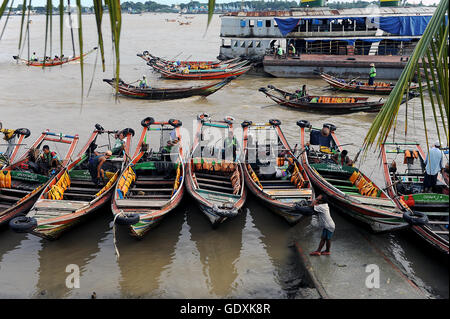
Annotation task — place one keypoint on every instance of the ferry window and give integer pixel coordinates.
(243, 44)
(243, 23)
(226, 42)
(235, 44)
(250, 44)
(267, 23)
(251, 23)
(259, 24)
(258, 44)
(275, 24)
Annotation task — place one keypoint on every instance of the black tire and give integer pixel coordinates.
(262, 90)
(149, 120)
(98, 127)
(303, 208)
(202, 116)
(228, 120)
(127, 131)
(145, 52)
(303, 123)
(275, 122)
(23, 131)
(246, 123)
(175, 123)
(127, 219)
(415, 218)
(332, 127)
(22, 224)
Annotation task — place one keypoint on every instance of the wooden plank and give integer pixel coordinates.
(440, 232)
(286, 181)
(215, 187)
(15, 190)
(438, 222)
(155, 182)
(279, 186)
(138, 189)
(86, 196)
(223, 182)
(66, 205)
(161, 196)
(7, 198)
(212, 176)
(4, 206)
(83, 189)
(133, 203)
(288, 192)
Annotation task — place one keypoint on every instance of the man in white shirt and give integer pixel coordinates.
(323, 211)
(433, 165)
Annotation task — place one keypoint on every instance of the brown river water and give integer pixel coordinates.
(249, 257)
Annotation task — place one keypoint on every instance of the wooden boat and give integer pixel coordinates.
(214, 178)
(22, 181)
(71, 196)
(21, 134)
(221, 74)
(404, 179)
(328, 104)
(52, 62)
(152, 185)
(168, 93)
(347, 188)
(146, 56)
(272, 172)
(360, 87)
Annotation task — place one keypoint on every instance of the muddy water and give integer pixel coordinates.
(250, 256)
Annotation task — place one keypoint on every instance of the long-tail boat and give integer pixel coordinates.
(404, 170)
(361, 86)
(272, 172)
(146, 56)
(345, 186)
(167, 93)
(52, 62)
(71, 196)
(153, 183)
(22, 181)
(220, 74)
(7, 159)
(328, 104)
(214, 176)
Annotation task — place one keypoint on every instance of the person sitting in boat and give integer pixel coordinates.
(433, 165)
(372, 73)
(95, 166)
(119, 144)
(143, 84)
(314, 100)
(342, 158)
(56, 58)
(302, 92)
(48, 160)
(230, 147)
(34, 57)
(280, 52)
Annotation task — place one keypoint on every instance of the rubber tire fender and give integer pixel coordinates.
(98, 127)
(22, 224)
(150, 121)
(127, 130)
(23, 131)
(175, 123)
(332, 127)
(127, 219)
(303, 123)
(246, 123)
(416, 218)
(275, 122)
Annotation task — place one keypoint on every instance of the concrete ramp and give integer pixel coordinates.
(344, 273)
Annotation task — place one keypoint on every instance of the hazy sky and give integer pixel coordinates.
(89, 2)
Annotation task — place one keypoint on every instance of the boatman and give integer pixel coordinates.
(323, 211)
(280, 51)
(48, 160)
(119, 144)
(230, 144)
(95, 166)
(143, 84)
(433, 165)
(34, 57)
(372, 73)
(291, 46)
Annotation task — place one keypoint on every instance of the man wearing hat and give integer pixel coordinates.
(372, 73)
(433, 165)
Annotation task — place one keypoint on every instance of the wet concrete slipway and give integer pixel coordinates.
(256, 255)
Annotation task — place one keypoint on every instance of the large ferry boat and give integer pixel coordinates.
(341, 42)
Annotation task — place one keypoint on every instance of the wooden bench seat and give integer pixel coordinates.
(133, 203)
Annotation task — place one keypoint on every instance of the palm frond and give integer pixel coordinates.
(428, 61)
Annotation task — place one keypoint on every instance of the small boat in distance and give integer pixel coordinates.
(51, 62)
(168, 93)
(153, 183)
(327, 104)
(361, 87)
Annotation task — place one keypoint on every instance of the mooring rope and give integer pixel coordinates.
(114, 234)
